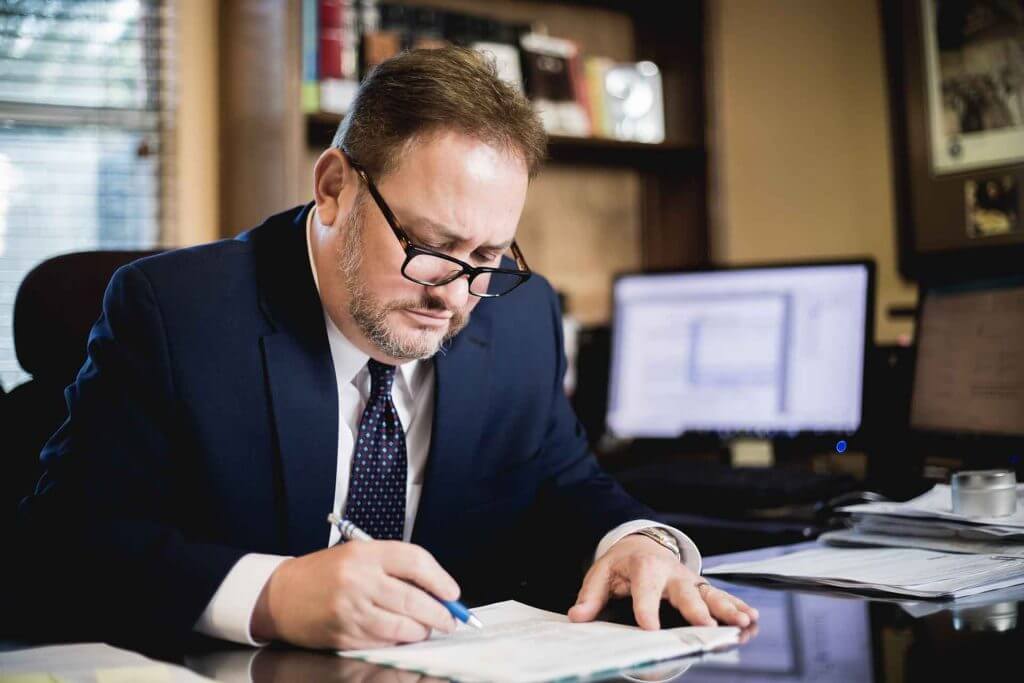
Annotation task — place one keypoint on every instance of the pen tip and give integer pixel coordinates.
(474, 622)
(333, 518)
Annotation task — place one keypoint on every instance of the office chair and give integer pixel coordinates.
(56, 306)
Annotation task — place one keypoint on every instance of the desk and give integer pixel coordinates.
(802, 636)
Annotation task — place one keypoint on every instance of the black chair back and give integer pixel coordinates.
(57, 304)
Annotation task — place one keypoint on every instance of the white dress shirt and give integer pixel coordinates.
(229, 612)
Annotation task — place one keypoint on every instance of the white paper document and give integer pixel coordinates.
(92, 662)
(520, 644)
(896, 571)
(938, 504)
(947, 544)
(938, 528)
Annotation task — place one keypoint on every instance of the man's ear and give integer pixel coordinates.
(332, 175)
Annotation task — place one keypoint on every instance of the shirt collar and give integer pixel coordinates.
(348, 359)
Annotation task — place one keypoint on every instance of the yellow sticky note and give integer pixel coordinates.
(28, 678)
(149, 673)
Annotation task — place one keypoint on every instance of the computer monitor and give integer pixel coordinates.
(772, 351)
(969, 373)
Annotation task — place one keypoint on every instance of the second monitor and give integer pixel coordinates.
(770, 351)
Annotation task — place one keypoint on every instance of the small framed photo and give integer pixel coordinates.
(956, 94)
(991, 205)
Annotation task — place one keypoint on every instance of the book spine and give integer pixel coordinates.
(330, 38)
(579, 91)
(310, 98)
(594, 69)
(338, 59)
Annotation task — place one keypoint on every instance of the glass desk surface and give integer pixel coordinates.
(802, 635)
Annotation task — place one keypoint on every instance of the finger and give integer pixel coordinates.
(723, 607)
(413, 563)
(406, 599)
(684, 597)
(593, 594)
(393, 628)
(744, 607)
(647, 585)
(748, 633)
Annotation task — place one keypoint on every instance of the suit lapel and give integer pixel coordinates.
(304, 398)
(301, 382)
(461, 392)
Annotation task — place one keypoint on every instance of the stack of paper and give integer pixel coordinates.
(522, 644)
(928, 522)
(89, 662)
(892, 571)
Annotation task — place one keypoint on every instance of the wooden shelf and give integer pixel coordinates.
(320, 130)
(639, 155)
(672, 203)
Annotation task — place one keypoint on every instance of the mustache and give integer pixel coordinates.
(427, 303)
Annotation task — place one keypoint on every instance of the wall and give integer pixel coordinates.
(800, 139)
(196, 187)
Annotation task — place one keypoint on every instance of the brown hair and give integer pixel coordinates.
(420, 92)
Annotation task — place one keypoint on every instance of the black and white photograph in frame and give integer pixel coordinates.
(974, 79)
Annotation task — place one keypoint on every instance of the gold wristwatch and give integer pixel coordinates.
(662, 538)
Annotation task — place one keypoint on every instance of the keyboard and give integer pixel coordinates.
(713, 488)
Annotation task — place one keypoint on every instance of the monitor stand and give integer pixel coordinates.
(751, 453)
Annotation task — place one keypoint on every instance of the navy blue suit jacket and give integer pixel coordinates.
(204, 425)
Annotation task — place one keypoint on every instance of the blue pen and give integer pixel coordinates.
(350, 532)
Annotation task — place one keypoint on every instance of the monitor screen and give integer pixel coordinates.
(969, 376)
(773, 351)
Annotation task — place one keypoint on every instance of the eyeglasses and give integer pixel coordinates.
(433, 269)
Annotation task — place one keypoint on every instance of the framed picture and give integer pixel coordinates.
(974, 75)
(956, 86)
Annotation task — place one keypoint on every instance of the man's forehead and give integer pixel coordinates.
(458, 189)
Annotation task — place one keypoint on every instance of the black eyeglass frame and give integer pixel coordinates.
(412, 250)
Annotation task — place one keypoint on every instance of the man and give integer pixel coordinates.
(338, 358)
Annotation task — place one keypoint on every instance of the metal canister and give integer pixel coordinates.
(999, 617)
(985, 493)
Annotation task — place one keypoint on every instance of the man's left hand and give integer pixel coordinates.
(639, 567)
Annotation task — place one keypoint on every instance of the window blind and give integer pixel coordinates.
(86, 116)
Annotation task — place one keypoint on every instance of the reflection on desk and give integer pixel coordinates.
(802, 635)
(837, 636)
(280, 664)
(277, 665)
(822, 635)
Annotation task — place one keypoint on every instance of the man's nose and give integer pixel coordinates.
(455, 294)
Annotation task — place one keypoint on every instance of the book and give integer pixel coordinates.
(594, 69)
(522, 644)
(338, 54)
(310, 98)
(551, 76)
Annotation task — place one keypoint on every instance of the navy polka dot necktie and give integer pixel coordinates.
(376, 490)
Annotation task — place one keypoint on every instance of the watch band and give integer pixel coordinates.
(662, 538)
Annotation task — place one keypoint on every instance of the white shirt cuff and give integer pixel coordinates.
(687, 548)
(228, 616)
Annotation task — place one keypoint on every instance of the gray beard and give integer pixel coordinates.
(370, 314)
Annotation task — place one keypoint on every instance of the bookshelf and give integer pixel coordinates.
(562, 149)
(635, 205)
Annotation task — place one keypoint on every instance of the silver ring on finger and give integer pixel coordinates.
(703, 587)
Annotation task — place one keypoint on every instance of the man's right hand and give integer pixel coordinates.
(355, 595)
